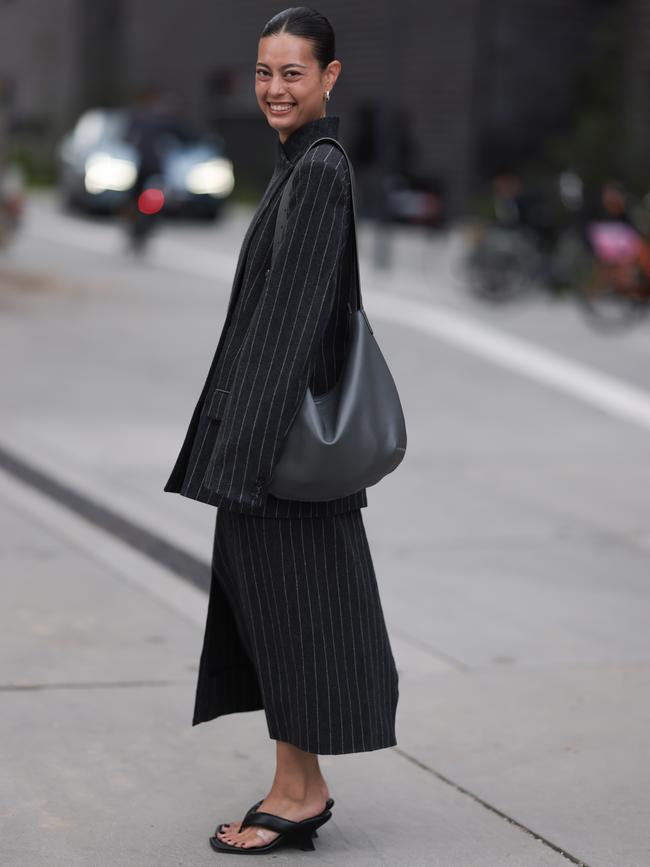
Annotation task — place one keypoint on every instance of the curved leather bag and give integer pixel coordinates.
(353, 435)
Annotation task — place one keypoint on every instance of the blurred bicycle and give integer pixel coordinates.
(499, 263)
(599, 251)
(505, 253)
(142, 211)
(616, 291)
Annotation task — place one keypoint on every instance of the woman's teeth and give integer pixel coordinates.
(280, 107)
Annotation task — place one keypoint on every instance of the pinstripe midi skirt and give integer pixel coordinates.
(295, 627)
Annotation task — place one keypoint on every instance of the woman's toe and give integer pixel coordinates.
(227, 828)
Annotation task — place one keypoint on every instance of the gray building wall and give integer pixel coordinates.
(529, 55)
(462, 81)
(39, 61)
(419, 58)
(636, 86)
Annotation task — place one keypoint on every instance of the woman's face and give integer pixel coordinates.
(289, 83)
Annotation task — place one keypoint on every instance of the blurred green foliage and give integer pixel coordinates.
(38, 169)
(594, 145)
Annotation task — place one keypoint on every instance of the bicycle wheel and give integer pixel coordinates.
(606, 306)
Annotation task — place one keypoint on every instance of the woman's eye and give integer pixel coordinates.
(290, 73)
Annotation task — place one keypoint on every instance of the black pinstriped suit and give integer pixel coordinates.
(285, 329)
(295, 627)
(295, 624)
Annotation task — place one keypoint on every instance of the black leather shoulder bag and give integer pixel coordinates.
(353, 435)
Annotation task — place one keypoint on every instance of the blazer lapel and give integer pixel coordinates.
(279, 176)
(286, 157)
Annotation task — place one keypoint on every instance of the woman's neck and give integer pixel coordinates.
(284, 134)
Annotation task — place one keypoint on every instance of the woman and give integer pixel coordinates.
(295, 625)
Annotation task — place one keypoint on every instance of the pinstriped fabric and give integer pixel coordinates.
(295, 627)
(286, 328)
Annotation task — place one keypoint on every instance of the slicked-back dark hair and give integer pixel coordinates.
(308, 24)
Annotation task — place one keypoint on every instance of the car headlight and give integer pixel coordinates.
(213, 177)
(104, 172)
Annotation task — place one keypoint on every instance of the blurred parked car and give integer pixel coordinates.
(98, 167)
(397, 197)
(413, 201)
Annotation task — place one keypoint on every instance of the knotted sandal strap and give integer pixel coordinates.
(253, 808)
(270, 821)
(220, 828)
(328, 806)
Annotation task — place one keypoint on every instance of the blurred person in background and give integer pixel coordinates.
(295, 624)
(12, 193)
(152, 124)
(610, 203)
(616, 236)
(152, 127)
(3, 158)
(518, 206)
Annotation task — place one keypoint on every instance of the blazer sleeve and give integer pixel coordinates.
(273, 366)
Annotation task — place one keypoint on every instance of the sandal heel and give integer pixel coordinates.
(304, 842)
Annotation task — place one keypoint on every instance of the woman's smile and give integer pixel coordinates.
(280, 107)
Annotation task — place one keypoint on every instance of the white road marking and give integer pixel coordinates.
(611, 395)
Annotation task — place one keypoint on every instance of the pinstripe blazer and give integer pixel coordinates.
(285, 329)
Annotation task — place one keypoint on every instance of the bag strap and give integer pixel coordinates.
(351, 260)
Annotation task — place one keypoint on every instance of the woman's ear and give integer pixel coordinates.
(331, 73)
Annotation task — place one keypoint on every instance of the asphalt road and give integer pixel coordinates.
(512, 548)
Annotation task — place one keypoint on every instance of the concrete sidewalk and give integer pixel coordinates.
(511, 550)
(101, 764)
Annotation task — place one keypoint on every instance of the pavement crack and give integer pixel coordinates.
(434, 652)
(90, 684)
(409, 758)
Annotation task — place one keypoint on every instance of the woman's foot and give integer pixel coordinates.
(279, 805)
(234, 826)
(299, 791)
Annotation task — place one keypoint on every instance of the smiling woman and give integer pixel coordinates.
(295, 625)
(296, 69)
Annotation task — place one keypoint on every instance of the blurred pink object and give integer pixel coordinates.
(614, 242)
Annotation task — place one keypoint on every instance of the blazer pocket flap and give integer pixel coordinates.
(215, 403)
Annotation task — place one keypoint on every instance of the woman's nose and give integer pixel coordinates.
(276, 87)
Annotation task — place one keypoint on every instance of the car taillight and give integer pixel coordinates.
(151, 201)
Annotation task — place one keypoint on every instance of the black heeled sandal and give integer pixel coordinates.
(220, 827)
(298, 834)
